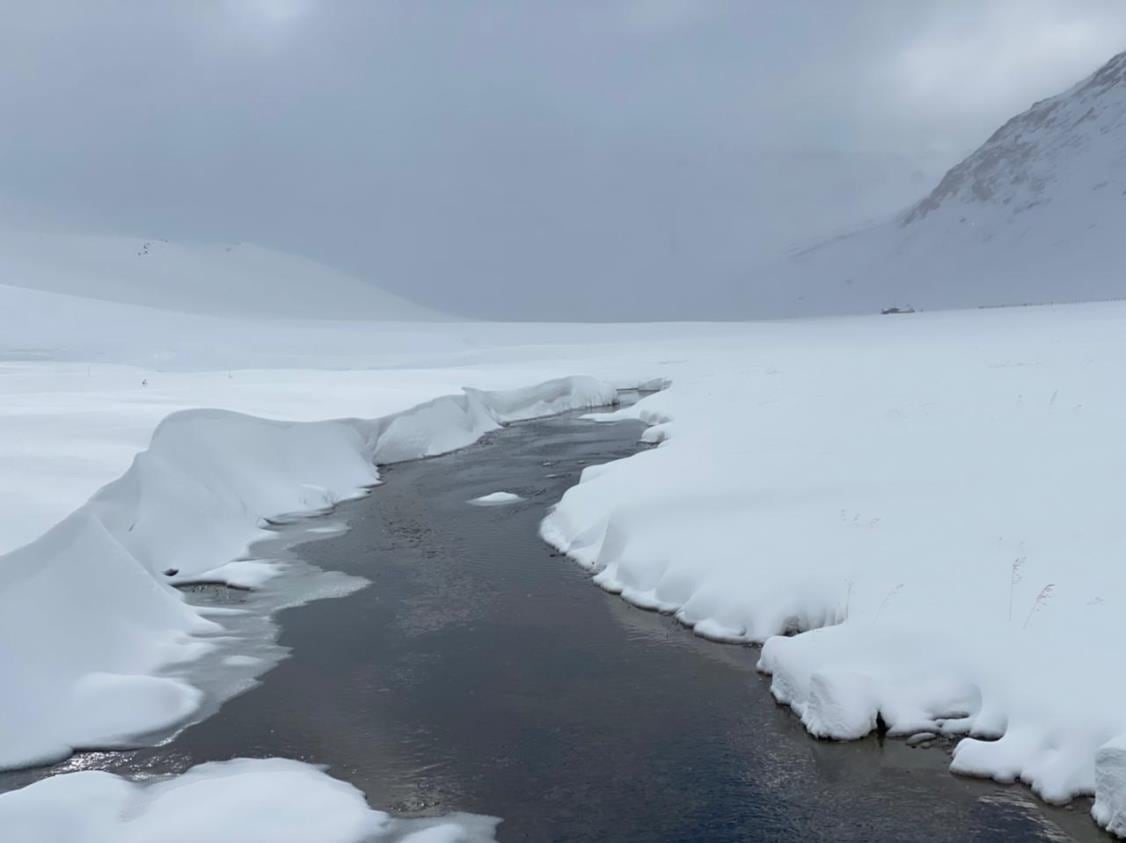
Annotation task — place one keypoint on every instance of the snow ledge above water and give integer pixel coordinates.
(94, 590)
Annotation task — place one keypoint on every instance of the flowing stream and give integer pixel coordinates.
(480, 672)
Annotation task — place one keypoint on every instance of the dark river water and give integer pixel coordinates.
(480, 672)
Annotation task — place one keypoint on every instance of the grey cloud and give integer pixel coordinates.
(517, 159)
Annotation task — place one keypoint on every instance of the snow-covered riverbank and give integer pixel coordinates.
(190, 503)
(930, 501)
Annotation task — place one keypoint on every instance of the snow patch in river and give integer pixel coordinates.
(496, 499)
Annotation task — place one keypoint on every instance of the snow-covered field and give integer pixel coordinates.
(930, 502)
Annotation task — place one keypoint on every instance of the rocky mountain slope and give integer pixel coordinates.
(1037, 214)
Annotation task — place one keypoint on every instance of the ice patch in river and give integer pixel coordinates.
(242, 573)
(496, 499)
(246, 645)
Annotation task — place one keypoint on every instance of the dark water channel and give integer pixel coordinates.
(481, 673)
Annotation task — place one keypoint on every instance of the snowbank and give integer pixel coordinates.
(237, 801)
(88, 615)
(1109, 809)
(919, 516)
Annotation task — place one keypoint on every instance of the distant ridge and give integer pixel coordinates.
(1037, 214)
(236, 279)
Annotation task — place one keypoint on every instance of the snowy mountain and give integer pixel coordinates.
(1037, 214)
(241, 279)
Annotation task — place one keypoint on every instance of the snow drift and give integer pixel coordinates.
(195, 499)
(225, 802)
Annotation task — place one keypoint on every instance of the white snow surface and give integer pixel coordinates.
(931, 502)
(496, 499)
(1109, 809)
(240, 801)
(919, 517)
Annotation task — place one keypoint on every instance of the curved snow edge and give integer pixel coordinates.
(88, 615)
(840, 687)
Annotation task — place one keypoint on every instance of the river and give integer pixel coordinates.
(480, 672)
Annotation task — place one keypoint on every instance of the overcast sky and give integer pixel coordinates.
(517, 159)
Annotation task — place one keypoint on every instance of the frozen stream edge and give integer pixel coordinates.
(209, 485)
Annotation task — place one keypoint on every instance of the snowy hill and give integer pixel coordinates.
(1035, 215)
(231, 279)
